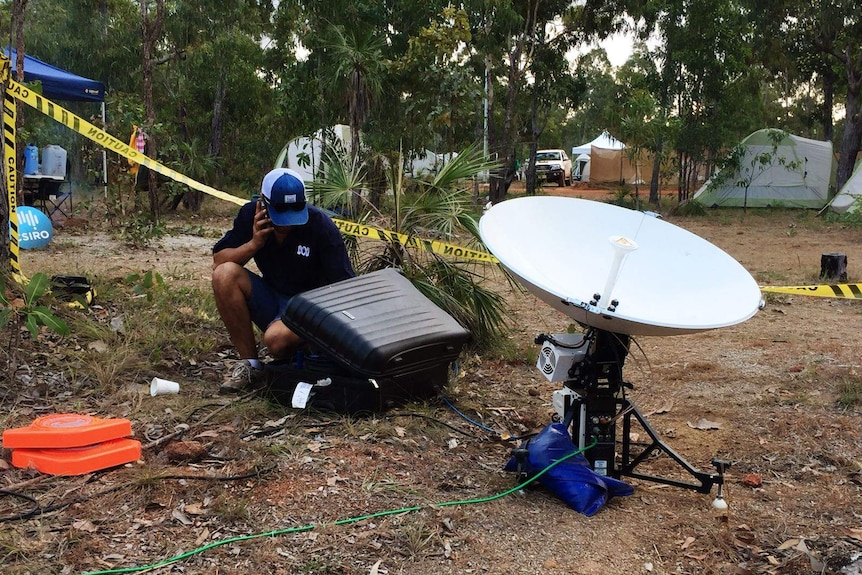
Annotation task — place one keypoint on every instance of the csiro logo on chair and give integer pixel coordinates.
(34, 228)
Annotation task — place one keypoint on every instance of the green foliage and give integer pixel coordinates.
(437, 208)
(847, 218)
(689, 209)
(144, 285)
(225, 102)
(28, 309)
(623, 197)
(850, 392)
(138, 230)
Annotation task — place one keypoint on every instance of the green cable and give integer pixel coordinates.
(350, 520)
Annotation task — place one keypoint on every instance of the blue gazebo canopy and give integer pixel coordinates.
(58, 84)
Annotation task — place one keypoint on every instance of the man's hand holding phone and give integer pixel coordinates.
(262, 225)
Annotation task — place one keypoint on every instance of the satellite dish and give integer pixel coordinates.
(652, 277)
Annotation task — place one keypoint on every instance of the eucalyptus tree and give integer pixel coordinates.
(216, 104)
(435, 90)
(802, 82)
(99, 40)
(640, 119)
(152, 20)
(533, 34)
(705, 78)
(503, 32)
(19, 16)
(594, 111)
(826, 37)
(392, 69)
(553, 87)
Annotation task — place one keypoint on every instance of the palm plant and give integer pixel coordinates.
(439, 208)
(357, 66)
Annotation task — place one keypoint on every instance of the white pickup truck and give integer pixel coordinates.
(554, 166)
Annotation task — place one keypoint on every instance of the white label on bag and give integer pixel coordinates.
(301, 393)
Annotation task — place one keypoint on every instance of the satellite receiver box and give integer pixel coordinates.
(560, 353)
(379, 331)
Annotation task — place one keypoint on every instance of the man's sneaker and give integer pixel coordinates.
(241, 376)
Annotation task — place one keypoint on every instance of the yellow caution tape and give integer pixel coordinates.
(10, 157)
(105, 140)
(437, 247)
(88, 130)
(852, 291)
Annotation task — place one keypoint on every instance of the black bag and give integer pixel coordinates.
(325, 386)
(379, 340)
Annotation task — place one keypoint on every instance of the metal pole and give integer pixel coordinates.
(104, 155)
(485, 119)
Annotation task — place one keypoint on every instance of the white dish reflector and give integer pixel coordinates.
(660, 279)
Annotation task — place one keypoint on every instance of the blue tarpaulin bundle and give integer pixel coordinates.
(573, 480)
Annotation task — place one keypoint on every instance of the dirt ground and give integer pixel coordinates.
(762, 394)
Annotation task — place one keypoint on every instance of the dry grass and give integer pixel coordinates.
(784, 386)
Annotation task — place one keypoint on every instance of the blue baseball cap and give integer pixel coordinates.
(283, 194)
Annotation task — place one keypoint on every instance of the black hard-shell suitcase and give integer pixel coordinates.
(331, 387)
(379, 329)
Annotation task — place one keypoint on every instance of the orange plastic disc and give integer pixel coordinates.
(66, 430)
(78, 460)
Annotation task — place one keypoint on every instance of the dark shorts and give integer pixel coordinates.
(266, 305)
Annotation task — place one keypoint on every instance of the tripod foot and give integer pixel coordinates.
(720, 465)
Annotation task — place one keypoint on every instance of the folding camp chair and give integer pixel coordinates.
(59, 199)
(53, 196)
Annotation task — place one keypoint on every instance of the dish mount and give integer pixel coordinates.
(618, 273)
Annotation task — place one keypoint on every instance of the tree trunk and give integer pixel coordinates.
(356, 198)
(501, 177)
(852, 123)
(828, 105)
(19, 12)
(194, 199)
(680, 182)
(151, 30)
(654, 193)
(535, 132)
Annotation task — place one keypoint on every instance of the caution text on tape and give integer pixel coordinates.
(852, 291)
(434, 246)
(88, 130)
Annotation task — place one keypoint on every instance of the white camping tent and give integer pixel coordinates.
(776, 169)
(849, 197)
(604, 160)
(428, 163)
(303, 154)
(581, 169)
(604, 141)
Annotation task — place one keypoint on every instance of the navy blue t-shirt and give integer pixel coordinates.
(311, 256)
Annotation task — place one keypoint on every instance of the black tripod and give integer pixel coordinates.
(595, 403)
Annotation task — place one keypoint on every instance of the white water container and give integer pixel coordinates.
(54, 161)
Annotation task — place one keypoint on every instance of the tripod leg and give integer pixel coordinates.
(705, 481)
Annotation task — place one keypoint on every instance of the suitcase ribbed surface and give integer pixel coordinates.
(376, 324)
